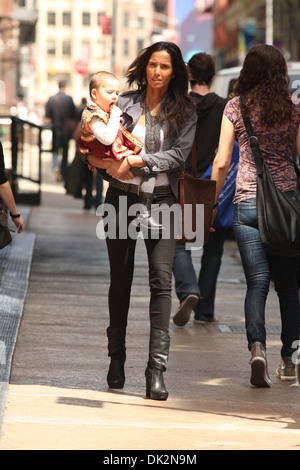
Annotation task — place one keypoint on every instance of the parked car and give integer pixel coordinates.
(225, 79)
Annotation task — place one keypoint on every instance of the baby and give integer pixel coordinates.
(103, 136)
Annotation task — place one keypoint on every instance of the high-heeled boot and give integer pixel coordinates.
(158, 357)
(117, 354)
(144, 219)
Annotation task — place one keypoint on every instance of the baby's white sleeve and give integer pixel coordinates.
(105, 133)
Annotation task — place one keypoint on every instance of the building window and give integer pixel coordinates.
(86, 19)
(126, 19)
(140, 22)
(140, 45)
(67, 18)
(101, 13)
(125, 47)
(51, 18)
(51, 47)
(66, 47)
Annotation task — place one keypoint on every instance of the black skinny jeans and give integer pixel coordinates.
(121, 257)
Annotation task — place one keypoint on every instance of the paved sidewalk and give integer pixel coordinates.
(57, 397)
(15, 262)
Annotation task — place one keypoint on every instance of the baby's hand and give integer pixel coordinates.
(115, 111)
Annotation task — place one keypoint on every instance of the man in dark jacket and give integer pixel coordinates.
(60, 109)
(209, 107)
(193, 294)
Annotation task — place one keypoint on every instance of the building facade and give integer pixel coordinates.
(76, 38)
(9, 55)
(42, 41)
(239, 24)
(71, 39)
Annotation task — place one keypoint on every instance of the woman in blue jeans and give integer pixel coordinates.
(275, 119)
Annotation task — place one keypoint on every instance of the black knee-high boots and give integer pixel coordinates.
(159, 345)
(158, 356)
(117, 353)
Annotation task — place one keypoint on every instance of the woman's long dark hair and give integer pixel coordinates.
(176, 100)
(264, 81)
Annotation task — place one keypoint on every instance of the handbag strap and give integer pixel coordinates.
(181, 174)
(194, 164)
(253, 141)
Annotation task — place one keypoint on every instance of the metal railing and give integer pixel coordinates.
(22, 143)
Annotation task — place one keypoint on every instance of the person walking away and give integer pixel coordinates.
(59, 109)
(263, 83)
(199, 294)
(159, 112)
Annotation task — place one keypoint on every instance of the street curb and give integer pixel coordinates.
(15, 261)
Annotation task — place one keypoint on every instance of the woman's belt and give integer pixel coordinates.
(135, 188)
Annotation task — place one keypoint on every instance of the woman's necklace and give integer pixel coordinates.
(152, 138)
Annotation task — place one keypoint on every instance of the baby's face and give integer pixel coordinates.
(106, 95)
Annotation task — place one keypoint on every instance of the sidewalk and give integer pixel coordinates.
(57, 397)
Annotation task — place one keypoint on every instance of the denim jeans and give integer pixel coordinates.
(186, 280)
(258, 265)
(59, 142)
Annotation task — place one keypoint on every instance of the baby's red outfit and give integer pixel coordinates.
(125, 143)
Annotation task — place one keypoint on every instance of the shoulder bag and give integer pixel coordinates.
(224, 216)
(196, 191)
(278, 215)
(5, 236)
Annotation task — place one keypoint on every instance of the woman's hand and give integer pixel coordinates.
(115, 111)
(114, 168)
(9, 201)
(19, 223)
(119, 169)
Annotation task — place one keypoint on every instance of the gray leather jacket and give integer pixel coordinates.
(175, 149)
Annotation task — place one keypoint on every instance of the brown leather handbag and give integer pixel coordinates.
(193, 191)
